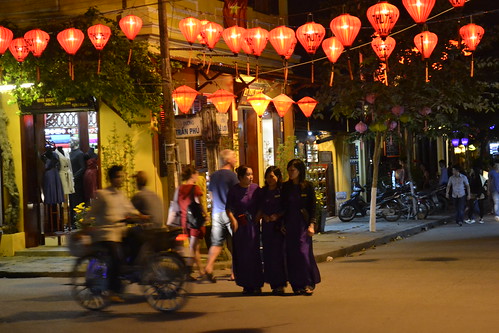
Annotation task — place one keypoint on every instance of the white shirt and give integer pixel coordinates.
(458, 184)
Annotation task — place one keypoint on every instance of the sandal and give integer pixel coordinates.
(308, 291)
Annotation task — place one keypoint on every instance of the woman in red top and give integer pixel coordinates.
(186, 193)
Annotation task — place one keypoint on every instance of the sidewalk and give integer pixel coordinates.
(338, 240)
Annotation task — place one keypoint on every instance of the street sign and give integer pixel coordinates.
(188, 126)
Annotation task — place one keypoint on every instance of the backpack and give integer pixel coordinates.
(195, 215)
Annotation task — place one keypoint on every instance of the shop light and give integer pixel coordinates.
(472, 147)
(464, 141)
(455, 142)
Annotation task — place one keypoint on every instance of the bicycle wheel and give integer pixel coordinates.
(390, 210)
(422, 212)
(90, 282)
(346, 213)
(165, 280)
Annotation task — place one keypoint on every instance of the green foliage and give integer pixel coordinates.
(285, 152)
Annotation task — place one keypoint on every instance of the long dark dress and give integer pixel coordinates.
(246, 260)
(53, 192)
(300, 210)
(274, 267)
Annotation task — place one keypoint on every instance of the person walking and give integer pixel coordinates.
(444, 174)
(241, 208)
(271, 212)
(148, 202)
(494, 188)
(478, 194)
(460, 186)
(299, 220)
(220, 183)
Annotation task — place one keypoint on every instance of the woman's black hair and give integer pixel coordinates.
(277, 172)
(241, 171)
(300, 166)
(187, 171)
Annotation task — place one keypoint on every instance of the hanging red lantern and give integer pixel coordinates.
(190, 27)
(19, 49)
(425, 43)
(99, 35)
(361, 127)
(333, 49)
(211, 33)
(346, 28)
(383, 17)
(184, 96)
(222, 99)
(37, 41)
(383, 48)
(233, 37)
(310, 36)
(200, 38)
(307, 105)
(457, 3)
(282, 104)
(472, 35)
(5, 39)
(282, 39)
(259, 102)
(70, 40)
(131, 25)
(419, 9)
(257, 39)
(245, 46)
(291, 49)
(398, 110)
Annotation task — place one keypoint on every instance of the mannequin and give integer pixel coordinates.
(78, 165)
(53, 193)
(90, 176)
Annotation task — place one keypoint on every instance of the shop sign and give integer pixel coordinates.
(70, 104)
(188, 126)
(222, 123)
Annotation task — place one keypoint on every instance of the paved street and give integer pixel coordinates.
(443, 280)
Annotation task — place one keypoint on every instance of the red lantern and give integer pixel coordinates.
(211, 33)
(425, 43)
(472, 35)
(383, 48)
(457, 3)
(346, 28)
(291, 49)
(419, 9)
(361, 127)
(190, 28)
(383, 17)
(307, 105)
(282, 104)
(131, 25)
(222, 99)
(332, 48)
(200, 38)
(184, 96)
(257, 39)
(282, 39)
(99, 35)
(310, 36)
(5, 39)
(70, 40)
(398, 110)
(259, 102)
(37, 41)
(19, 49)
(233, 37)
(245, 46)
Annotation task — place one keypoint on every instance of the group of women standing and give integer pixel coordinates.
(286, 214)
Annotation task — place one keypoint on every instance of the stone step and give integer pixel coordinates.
(44, 251)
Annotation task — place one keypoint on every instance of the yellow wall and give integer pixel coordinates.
(341, 162)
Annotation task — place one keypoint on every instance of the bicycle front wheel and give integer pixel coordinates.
(90, 282)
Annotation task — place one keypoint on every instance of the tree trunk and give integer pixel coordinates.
(378, 141)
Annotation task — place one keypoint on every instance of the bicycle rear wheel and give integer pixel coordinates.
(90, 282)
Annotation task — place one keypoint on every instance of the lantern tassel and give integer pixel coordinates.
(312, 72)
(308, 124)
(386, 74)
(72, 72)
(427, 75)
(472, 66)
(37, 73)
(285, 72)
(348, 126)
(190, 56)
(70, 66)
(331, 78)
(350, 68)
(209, 65)
(256, 74)
(237, 69)
(98, 65)
(129, 56)
(247, 65)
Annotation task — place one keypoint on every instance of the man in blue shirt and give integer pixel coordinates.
(460, 188)
(494, 188)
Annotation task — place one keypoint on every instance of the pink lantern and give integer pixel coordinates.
(361, 127)
(398, 110)
(392, 125)
(425, 111)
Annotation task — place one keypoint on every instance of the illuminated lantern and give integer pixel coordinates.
(465, 141)
(211, 33)
(425, 43)
(131, 25)
(190, 28)
(472, 35)
(291, 49)
(383, 17)
(233, 37)
(392, 125)
(457, 3)
(310, 36)
(222, 99)
(5, 39)
(184, 96)
(398, 110)
(307, 105)
(245, 46)
(70, 40)
(361, 127)
(99, 35)
(383, 48)
(282, 104)
(282, 39)
(259, 102)
(332, 48)
(200, 38)
(419, 9)
(346, 28)
(37, 41)
(257, 39)
(19, 49)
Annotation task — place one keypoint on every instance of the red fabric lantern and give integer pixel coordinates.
(472, 35)
(257, 39)
(5, 39)
(398, 110)
(222, 99)
(259, 102)
(245, 46)
(419, 9)
(233, 37)
(200, 38)
(131, 25)
(383, 17)
(99, 35)
(425, 43)
(70, 40)
(307, 105)
(37, 41)
(346, 28)
(184, 96)
(457, 3)
(190, 28)
(282, 104)
(19, 49)
(361, 127)
(383, 48)
(211, 33)
(282, 39)
(332, 48)
(310, 36)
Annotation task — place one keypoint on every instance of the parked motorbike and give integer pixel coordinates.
(386, 206)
